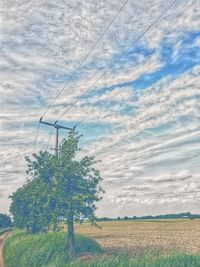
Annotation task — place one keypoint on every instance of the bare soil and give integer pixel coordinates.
(3, 238)
(141, 236)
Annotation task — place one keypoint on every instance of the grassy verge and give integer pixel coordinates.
(124, 260)
(44, 250)
(49, 250)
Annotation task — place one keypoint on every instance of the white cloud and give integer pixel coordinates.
(42, 42)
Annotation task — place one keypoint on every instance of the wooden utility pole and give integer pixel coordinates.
(57, 127)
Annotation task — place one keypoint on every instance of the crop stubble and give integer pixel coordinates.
(140, 236)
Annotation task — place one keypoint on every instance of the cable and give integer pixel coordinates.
(137, 122)
(50, 137)
(110, 98)
(37, 134)
(123, 54)
(84, 58)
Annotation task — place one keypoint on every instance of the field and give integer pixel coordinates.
(140, 236)
(161, 243)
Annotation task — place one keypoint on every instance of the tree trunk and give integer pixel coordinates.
(34, 229)
(54, 227)
(71, 240)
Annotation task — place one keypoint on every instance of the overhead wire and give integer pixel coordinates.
(79, 65)
(108, 100)
(123, 54)
(36, 138)
(50, 137)
(86, 56)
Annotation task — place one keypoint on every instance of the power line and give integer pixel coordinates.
(123, 54)
(37, 134)
(109, 99)
(50, 137)
(80, 64)
(86, 56)
(134, 124)
(140, 36)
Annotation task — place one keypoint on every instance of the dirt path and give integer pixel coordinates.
(3, 238)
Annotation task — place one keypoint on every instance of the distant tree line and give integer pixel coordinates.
(150, 217)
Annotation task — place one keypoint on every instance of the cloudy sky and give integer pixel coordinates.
(136, 103)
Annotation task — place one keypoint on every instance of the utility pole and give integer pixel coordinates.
(57, 127)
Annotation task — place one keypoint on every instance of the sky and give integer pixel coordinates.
(136, 103)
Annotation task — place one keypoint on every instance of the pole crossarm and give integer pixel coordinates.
(55, 125)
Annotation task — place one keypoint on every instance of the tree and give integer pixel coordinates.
(59, 187)
(30, 207)
(5, 221)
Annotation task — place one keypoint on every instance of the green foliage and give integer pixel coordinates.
(44, 250)
(59, 187)
(30, 206)
(5, 221)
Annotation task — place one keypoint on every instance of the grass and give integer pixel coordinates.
(49, 250)
(3, 230)
(147, 244)
(124, 260)
(44, 250)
